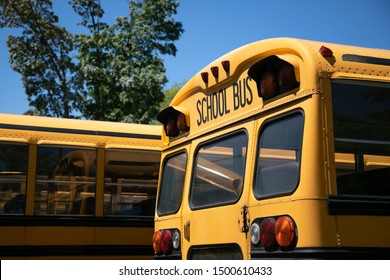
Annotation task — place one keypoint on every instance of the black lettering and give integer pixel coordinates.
(198, 105)
(250, 99)
(215, 102)
(221, 101)
(242, 94)
(227, 110)
(236, 98)
(204, 118)
(209, 109)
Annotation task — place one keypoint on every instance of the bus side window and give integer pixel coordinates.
(279, 156)
(65, 175)
(13, 170)
(130, 182)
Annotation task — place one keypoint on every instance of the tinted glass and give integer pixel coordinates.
(13, 176)
(130, 182)
(172, 183)
(66, 179)
(279, 156)
(219, 172)
(361, 115)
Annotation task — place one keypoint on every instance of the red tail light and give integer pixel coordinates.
(166, 241)
(267, 233)
(274, 233)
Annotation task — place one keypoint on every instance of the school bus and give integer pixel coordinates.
(74, 189)
(278, 149)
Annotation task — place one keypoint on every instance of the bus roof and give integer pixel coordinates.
(232, 87)
(91, 126)
(289, 49)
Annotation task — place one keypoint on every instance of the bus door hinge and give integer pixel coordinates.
(245, 219)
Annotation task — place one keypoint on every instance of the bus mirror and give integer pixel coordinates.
(175, 120)
(273, 76)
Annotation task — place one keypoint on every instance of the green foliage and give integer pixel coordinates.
(42, 55)
(169, 94)
(116, 73)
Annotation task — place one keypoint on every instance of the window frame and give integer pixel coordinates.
(89, 203)
(107, 185)
(160, 189)
(230, 135)
(264, 125)
(17, 204)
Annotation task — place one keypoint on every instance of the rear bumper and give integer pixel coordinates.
(345, 253)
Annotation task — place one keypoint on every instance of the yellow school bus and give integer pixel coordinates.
(278, 149)
(74, 189)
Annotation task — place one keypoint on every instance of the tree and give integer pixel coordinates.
(121, 64)
(170, 93)
(116, 72)
(42, 55)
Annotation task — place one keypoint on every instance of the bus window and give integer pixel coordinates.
(66, 179)
(130, 182)
(362, 137)
(172, 183)
(279, 155)
(13, 170)
(219, 171)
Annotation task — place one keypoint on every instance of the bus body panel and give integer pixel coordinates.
(79, 189)
(314, 145)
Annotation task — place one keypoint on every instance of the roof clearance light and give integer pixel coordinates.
(267, 233)
(325, 52)
(226, 65)
(166, 241)
(205, 77)
(285, 231)
(157, 236)
(214, 71)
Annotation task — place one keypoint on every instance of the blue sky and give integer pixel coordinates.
(215, 27)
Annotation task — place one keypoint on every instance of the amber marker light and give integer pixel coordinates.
(268, 84)
(285, 231)
(157, 236)
(181, 122)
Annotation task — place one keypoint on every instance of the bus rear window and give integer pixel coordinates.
(219, 171)
(172, 183)
(361, 115)
(279, 156)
